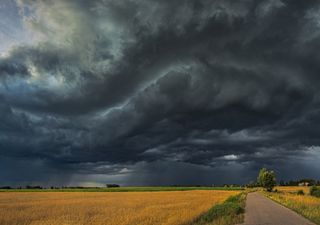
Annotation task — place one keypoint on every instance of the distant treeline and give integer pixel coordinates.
(56, 187)
(301, 182)
(111, 186)
(212, 185)
(25, 187)
(304, 182)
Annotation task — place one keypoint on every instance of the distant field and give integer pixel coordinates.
(306, 205)
(122, 189)
(104, 208)
(293, 189)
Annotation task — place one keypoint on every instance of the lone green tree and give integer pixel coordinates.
(267, 179)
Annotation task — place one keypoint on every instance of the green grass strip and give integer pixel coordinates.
(229, 212)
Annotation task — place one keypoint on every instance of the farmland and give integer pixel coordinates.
(77, 208)
(306, 205)
(292, 189)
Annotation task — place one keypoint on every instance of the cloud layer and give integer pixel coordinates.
(158, 92)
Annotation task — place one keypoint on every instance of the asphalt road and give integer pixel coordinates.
(262, 211)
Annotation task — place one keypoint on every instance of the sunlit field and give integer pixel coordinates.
(293, 189)
(103, 208)
(306, 205)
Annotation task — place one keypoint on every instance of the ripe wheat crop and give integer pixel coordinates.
(118, 208)
(293, 189)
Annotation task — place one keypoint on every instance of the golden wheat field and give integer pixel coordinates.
(293, 189)
(306, 205)
(83, 208)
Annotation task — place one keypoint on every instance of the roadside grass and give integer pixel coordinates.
(123, 189)
(229, 212)
(306, 205)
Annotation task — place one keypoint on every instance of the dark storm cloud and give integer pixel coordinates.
(123, 88)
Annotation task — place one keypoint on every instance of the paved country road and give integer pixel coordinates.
(262, 211)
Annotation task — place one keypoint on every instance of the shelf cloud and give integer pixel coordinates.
(146, 92)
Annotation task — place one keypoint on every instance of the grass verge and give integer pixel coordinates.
(305, 205)
(229, 212)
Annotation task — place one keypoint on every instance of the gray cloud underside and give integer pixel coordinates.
(133, 87)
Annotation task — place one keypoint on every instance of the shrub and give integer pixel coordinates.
(315, 191)
(300, 192)
(252, 184)
(232, 208)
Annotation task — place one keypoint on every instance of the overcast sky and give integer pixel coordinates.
(158, 92)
